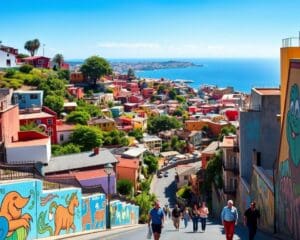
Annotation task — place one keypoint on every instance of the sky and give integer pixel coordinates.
(150, 29)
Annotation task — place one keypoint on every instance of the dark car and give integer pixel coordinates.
(159, 175)
(166, 174)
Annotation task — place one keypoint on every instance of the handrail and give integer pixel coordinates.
(291, 42)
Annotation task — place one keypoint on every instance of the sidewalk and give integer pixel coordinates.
(96, 233)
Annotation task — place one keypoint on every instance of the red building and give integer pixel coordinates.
(44, 118)
(37, 61)
(121, 83)
(147, 92)
(133, 87)
(76, 77)
(135, 99)
(77, 92)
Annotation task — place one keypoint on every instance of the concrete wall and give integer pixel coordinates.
(7, 56)
(34, 153)
(249, 139)
(29, 212)
(261, 192)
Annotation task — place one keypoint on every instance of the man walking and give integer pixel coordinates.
(251, 217)
(229, 218)
(156, 217)
(176, 214)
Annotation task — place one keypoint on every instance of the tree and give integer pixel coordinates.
(145, 202)
(130, 74)
(58, 59)
(87, 137)
(31, 127)
(32, 46)
(78, 117)
(172, 94)
(69, 148)
(152, 162)
(63, 74)
(161, 123)
(225, 131)
(94, 68)
(177, 145)
(124, 187)
(137, 133)
(53, 86)
(180, 99)
(56, 103)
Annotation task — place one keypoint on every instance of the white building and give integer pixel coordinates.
(8, 57)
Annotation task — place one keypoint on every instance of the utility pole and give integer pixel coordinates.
(44, 49)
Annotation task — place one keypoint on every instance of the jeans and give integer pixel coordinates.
(252, 231)
(195, 224)
(203, 223)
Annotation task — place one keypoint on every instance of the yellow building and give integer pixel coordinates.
(290, 50)
(105, 124)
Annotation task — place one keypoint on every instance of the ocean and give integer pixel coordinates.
(242, 74)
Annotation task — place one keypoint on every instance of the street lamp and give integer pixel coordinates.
(109, 169)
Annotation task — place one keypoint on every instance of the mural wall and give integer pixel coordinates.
(288, 165)
(262, 194)
(94, 212)
(244, 199)
(18, 210)
(123, 213)
(59, 212)
(29, 212)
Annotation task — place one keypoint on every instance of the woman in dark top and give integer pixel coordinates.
(195, 217)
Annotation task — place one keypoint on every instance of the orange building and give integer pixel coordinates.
(290, 50)
(76, 77)
(197, 125)
(208, 153)
(128, 169)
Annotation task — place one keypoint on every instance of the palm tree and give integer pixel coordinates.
(32, 46)
(58, 59)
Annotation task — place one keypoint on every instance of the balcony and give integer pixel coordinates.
(229, 189)
(233, 167)
(291, 42)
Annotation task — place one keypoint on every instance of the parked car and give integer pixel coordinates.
(159, 175)
(166, 174)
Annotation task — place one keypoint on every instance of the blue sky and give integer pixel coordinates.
(151, 29)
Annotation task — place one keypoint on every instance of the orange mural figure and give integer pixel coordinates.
(64, 216)
(11, 210)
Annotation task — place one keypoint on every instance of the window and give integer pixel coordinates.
(49, 131)
(258, 159)
(38, 121)
(61, 137)
(49, 121)
(8, 63)
(33, 96)
(186, 177)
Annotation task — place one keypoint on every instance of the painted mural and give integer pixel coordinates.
(17, 211)
(94, 212)
(262, 193)
(244, 197)
(123, 213)
(28, 212)
(59, 212)
(288, 167)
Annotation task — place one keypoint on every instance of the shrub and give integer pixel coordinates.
(26, 68)
(124, 187)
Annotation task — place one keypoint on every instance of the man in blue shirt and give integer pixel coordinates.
(156, 217)
(229, 218)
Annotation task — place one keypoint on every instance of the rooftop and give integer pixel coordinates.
(169, 153)
(79, 160)
(128, 163)
(267, 91)
(228, 141)
(211, 148)
(134, 152)
(28, 91)
(100, 120)
(70, 104)
(65, 127)
(150, 138)
(37, 142)
(41, 114)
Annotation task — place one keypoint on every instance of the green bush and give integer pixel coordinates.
(26, 68)
(124, 187)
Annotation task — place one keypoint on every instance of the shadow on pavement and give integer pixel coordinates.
(170, 193)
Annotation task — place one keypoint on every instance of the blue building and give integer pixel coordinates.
(28, 99)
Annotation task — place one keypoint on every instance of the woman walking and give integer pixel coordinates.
(186, 216)
(195, 217)
(203, 212)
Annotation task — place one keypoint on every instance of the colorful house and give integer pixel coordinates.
(77, 92)
(44, 118)
(28, 99)
(76, 78)
(128, 169)
(105, 124)
(8, 56)
(37, 61)
(64, 131)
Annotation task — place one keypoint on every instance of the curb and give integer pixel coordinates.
(103, 232)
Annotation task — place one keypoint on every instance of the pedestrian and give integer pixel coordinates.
(186, 216)
(176, 214)
(156, 218)
(195, 217)
(229, 218)
(203, 213)
(251, 217)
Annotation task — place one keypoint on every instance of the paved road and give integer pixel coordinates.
(165, 188)
(214, 231)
